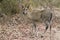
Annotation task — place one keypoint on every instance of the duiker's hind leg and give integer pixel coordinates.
(50, 26)
(47, 26)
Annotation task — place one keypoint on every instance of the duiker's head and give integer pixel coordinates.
(25, 9)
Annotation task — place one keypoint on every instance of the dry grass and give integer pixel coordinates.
(18, 27)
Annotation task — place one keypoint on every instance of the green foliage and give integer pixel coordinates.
(1, 0)
(36, 3)
(9, 7)
(56, 3)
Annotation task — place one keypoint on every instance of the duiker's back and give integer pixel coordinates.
(40, 16)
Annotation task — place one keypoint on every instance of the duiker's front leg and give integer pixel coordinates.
(34, 32)
(34, 27)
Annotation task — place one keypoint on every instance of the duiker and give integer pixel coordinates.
(44, 16)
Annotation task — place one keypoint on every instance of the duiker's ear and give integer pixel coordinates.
(23, 7)
(28, 5)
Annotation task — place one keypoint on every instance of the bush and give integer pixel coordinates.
(9, 7)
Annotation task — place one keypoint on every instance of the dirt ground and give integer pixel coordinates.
(17, 29)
